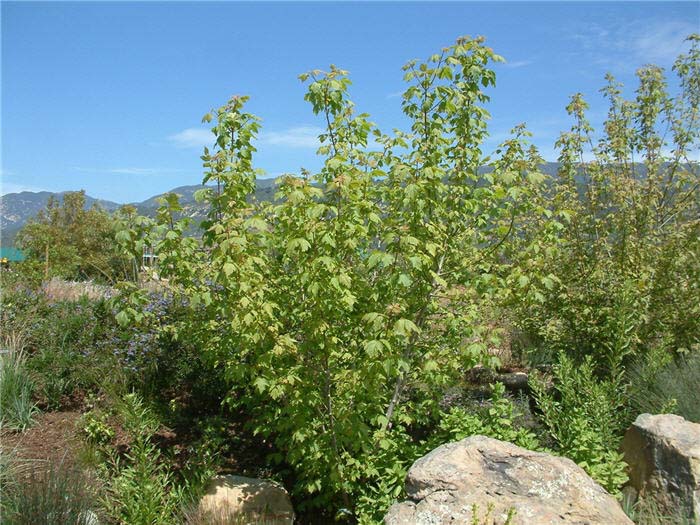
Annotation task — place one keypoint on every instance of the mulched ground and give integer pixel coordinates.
(53, 437)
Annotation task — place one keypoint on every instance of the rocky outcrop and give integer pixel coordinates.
(514, 381)
(663, 454)
(542, 489)
(246, 500)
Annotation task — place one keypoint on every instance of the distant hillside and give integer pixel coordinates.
(17, 208)
(265, 189)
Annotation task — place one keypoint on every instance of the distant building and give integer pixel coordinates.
(149, 258)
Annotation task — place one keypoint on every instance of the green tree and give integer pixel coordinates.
(341, 311)
(623, 266)
(73, 242)
(626, 262)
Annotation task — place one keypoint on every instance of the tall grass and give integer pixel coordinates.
(16, 387)
(45, 493)
(646, 511)
(671, 387)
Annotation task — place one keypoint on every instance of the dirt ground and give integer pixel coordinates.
(53, 436)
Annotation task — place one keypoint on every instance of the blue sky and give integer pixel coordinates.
(108, 97)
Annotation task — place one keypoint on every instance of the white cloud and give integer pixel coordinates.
(13, 187)
(134, 171)
(629, 44)
(192, 138)
(294, 137)
(663, 42)
(297, 137)
(517, 64)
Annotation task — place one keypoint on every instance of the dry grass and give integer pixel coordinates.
(59, 290)
(12, 344)
(224, 516)
(16, 387)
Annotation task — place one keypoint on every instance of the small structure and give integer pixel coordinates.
(149, 259)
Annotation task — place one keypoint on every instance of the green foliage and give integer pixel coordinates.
(345, 307)
(488, 518)
(73, 242)
(340, 311)
(497, 420)
(586, 418)
(141, 490)
(623, 260)
(74, 349)
(663, 384)
(95, 427)
(626, 257)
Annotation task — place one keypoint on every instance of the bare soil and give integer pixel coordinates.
(53, 437)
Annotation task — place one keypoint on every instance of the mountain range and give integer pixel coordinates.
(16, 209)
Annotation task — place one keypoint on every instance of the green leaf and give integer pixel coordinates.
(405, 280)
(373, 348)
(123, 318)
(404, 327)
(228, 268)
(261, 384)
(298, 245)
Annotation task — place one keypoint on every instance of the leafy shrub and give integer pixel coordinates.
(167, 368)
(95, 428)
(141, 488)
(73, 242)
(663, 384)
(625, 258)
(340, 311)
(75, 346)
(497, 420)
(586, 418)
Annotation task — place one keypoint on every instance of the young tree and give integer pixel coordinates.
(73, 242)
(624, 266)
(627, 263)
(343, 309)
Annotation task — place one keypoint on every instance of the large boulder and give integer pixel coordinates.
(663, 454)
(246, 500)
(444, 485)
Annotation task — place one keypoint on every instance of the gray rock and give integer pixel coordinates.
(246, 500)
(543, 489)
(88, 517)
(663, 454)
(514, 381)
